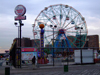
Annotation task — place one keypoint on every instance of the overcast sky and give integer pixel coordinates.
(90, 9)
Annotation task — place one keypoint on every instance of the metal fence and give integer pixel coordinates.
(66, 55)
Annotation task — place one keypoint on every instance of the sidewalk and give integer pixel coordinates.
(90, 69)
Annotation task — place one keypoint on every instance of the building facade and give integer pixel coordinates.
(27, 42)
(91, 42)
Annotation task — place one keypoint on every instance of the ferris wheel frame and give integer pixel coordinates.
(66, 18)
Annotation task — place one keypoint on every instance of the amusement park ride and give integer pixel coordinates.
(70, 28)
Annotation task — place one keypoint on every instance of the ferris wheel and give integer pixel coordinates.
(62, 23)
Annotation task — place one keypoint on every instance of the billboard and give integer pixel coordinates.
(29, 49)
(20, 10)
(27, 55)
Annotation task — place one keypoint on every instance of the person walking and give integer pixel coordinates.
(33, 62)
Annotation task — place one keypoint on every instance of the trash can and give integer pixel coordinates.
(65, 68)
(7, 70)
(6, 63)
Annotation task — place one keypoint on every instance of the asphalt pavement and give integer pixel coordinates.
(89, 69)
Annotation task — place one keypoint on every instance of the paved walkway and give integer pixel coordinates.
(92, 69)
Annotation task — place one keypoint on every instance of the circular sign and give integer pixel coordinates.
(20, 10)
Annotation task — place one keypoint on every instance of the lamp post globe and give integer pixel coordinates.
(41, 26)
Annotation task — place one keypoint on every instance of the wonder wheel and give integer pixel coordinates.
(63, 24)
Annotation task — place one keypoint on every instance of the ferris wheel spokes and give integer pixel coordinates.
(71, 41)
(52, 38)
(75, 37)
(44, 23)
(49, 18)
(75, 25)
(67, 18)
(54, 14)
(50, 35)
(61, 16)
(71, 21)
(68, 21)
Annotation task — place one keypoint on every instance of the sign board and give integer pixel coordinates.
(20, 17)
(29, 49)
(20, 10)
(28, 54)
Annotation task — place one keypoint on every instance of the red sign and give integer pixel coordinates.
(20, 17)
(29, 49)
(20, 10)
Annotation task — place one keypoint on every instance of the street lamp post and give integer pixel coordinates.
(18, 31)
(80, 45)
(19, 37)
(20, 10)
(53, 40)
